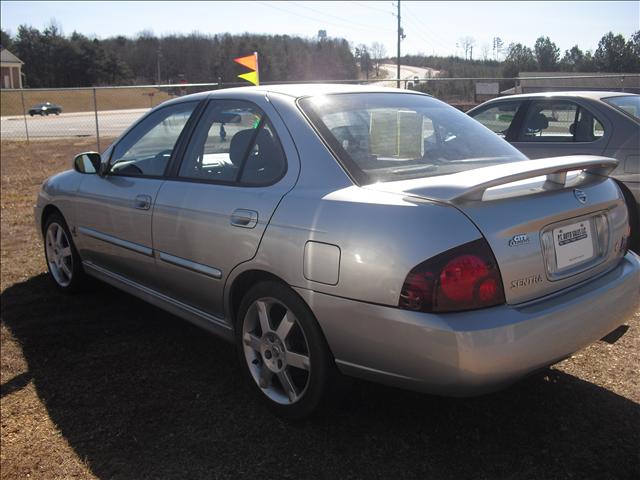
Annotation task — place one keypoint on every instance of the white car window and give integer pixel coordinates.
(498, 118)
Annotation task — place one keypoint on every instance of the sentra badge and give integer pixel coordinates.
(520, 239)
(526, 281)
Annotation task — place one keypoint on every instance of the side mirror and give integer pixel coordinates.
(88, 162)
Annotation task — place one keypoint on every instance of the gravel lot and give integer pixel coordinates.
(102, 385)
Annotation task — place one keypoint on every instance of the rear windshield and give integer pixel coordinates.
(383, 137)
(629, 104)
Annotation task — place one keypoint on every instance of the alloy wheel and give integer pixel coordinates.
(59, 255)
(276, 351)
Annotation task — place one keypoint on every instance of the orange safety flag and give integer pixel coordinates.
(250, 61)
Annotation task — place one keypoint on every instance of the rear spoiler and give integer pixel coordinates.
(471, 184)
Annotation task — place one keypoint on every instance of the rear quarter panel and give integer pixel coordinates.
(380, 236)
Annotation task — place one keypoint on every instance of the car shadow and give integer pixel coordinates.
(140, 394)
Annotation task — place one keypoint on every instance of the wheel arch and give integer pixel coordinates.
(241, 284)
(245, 280)
(47, 211)
(634, 215)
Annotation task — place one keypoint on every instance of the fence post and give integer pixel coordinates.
(24, 115)
(95, 110)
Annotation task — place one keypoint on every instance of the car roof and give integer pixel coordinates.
(297, 90)
(591, 94)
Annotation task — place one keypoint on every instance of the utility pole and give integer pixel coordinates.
(399, 39)
(158, 65)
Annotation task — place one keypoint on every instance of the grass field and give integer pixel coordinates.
(102, 385)
(82, 100)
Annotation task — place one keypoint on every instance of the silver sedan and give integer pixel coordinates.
(551, 124)
(374, 232)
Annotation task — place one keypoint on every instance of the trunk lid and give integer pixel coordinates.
(551, 223)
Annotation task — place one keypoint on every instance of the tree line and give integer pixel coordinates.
(52, 59)
(55, 60)
(614, 54)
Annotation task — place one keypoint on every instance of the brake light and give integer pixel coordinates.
(463, 278)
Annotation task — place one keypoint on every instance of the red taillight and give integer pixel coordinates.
(463, 278)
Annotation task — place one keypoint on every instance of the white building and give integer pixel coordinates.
(11, 69)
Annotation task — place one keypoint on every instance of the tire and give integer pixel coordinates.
(286, 360)
(634, 217)
(63, 260)
(42, 114)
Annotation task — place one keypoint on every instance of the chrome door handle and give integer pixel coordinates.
(244, 218)
(142, 202)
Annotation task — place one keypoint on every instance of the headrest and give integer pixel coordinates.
(239, 145)
(538, 122)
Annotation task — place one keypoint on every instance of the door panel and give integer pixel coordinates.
(211, 216)
(112, 232)
(193, 224)
(115, 211)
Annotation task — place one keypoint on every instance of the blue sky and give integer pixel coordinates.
(431, 27)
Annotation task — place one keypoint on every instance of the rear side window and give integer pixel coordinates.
(559, 121)
(234, 142)
(498, 118)
(629, 104)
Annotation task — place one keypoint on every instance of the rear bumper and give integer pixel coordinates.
(474, 352)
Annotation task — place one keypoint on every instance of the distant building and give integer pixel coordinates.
(629, 82)
(486, 91)
(11, 69)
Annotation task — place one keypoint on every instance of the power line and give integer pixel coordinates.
(421, 33)
(419, 25)
(372, 8)
(315, 19)
(349, 22)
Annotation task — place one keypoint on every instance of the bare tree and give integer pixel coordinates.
(498, 47)
(377, 53)
(485, 51)
(467, 44)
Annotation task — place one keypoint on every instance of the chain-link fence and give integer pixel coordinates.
(104, 113)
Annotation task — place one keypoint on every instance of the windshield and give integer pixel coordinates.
(629, 104)
(382, 137)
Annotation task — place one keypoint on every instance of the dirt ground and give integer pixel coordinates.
(102, 385)
(82, 100)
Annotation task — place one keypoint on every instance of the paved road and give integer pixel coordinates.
(406, 72)
(81, 124)
(113, 123)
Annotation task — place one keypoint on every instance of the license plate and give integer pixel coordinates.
(573, 244)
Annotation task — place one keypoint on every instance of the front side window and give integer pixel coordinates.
(498, 118)
(380, 137)
(146, 150)
(234, 142)
(559, 121)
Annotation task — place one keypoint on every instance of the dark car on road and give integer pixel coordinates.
(46, 108)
